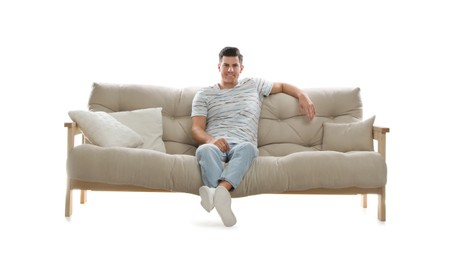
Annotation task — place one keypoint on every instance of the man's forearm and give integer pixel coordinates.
(200, 135)
(305, 104)
(292, 91)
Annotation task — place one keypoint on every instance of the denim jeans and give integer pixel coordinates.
(212, 163)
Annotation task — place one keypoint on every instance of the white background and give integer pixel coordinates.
(402, 54)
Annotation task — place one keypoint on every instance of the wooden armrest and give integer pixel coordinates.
(70, 124)
(380, 129)
(379, 134)
(72, 131)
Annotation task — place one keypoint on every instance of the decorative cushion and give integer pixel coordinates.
(147, 123)
(345, 137)
(102, 129)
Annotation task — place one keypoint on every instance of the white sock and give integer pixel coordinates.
(222, 202)
(206, 195)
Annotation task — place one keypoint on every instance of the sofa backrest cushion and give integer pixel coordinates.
(175, 103)
(282, 123)
(282, 128)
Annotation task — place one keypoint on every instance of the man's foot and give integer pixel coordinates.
(206, 194)
(222, 201)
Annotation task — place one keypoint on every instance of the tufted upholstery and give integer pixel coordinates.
(175, 103)
(282, 128)
(290, 145)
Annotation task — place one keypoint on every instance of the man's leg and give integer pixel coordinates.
(222, 201)
(210, 159)
(240, 158)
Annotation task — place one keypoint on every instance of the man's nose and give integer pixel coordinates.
(231, 69)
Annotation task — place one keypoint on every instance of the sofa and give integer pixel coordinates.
(138, 137)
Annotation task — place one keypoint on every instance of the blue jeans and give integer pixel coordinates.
(212, 163)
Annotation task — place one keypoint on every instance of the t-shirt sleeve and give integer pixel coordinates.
(199, 105)
(264, 87)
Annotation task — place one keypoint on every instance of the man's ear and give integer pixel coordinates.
(219, 66)
(241, 68)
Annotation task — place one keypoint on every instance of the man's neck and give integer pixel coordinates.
(223, 85)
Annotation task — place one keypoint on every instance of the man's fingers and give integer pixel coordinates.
(222, 144)
(309, 111)
(312, 112)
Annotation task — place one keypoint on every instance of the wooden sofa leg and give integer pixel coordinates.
(83, 196)
(364, 200)
(68, 200)
(381, 205)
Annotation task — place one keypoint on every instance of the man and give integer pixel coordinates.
(225, 122)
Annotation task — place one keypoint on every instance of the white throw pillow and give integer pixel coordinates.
(102, 129)
(145, 122)
(345, 137)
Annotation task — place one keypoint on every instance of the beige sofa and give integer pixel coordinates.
(331, 154)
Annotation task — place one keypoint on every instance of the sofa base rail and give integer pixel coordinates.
(84, 186)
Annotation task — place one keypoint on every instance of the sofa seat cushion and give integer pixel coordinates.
(132, 166)
(284, 149)
(295, 172)
(314, 169)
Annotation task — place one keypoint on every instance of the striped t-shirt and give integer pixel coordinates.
(232, 113)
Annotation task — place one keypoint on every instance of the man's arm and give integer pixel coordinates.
(305, 104)
(199, 124)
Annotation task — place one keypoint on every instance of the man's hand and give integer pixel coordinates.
(306, 106)
(221, 143)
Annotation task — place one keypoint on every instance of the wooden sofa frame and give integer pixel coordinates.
(379, 134)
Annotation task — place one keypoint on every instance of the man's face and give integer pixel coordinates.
(230, 69)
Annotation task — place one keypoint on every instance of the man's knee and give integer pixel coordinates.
(247, 149)
(206, 150)
(249, 146)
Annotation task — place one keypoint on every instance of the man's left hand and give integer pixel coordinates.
(306, 106)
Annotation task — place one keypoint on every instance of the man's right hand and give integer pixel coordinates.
(221, 143)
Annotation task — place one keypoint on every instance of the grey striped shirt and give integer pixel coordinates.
(233, 113)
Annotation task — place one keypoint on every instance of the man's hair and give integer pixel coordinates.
(230, 52)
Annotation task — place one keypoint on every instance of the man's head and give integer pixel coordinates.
(230, 52)
(230, 66)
